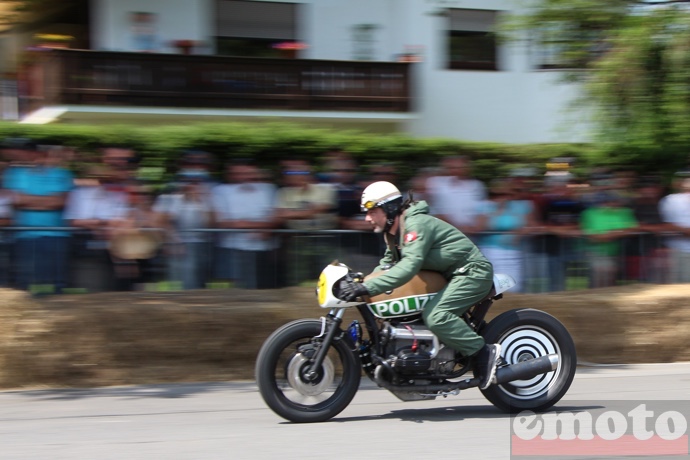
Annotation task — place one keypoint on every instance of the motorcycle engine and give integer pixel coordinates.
(412, 349)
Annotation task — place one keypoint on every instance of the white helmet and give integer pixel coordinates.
(378, 194)
(386, 196)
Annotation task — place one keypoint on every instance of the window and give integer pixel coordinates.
(555, 48)
(256, 29)
(472, 42)
(364, 41)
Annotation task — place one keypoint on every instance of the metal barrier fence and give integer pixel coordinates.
(216, 258)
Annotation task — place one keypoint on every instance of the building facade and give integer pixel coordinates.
(459, 81)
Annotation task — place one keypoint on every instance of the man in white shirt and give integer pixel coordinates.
(188, 209)
(456, 196)
(97, 199)
(675, 210)
(246, 203)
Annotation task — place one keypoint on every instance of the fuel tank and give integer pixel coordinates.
(409, 299)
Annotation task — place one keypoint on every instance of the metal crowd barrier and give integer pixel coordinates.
(295, 257)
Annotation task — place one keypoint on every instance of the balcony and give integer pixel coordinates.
(77, 78)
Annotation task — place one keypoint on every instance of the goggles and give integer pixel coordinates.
(371, 204)
(366, 206)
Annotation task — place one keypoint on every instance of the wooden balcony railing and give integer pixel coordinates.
(81, 77)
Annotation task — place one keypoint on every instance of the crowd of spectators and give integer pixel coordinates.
(102, 228)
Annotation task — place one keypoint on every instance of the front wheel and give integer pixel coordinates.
(281, 373)
(527, 334)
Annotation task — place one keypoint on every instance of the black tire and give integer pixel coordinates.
(527, 334)
(278, 374)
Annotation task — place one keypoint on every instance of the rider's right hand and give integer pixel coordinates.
(350, 290)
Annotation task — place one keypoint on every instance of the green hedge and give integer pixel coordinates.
(267, 143)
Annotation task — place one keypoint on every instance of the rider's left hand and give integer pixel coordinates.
(350, 290)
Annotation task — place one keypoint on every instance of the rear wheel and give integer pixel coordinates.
(281, 374)
(527, 334)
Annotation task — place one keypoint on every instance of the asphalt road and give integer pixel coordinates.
(230, 421)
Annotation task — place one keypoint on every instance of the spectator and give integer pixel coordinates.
(39, 192)
(624, 182)
(135, 239)
(418, 185)
(122, 162)
(16, 151)
(679, 177)
(361, 250)
(186, 210)
(674, 211)
(456, 196)
(330, 162)
(560, 216)
(59, 155)
(601, 184)
(5, 238)
(647, 255)
(344, 180)
(247, 203)
(197, 165)
(526, 186)
(91, 205)
(382, 172)
(99, 199)
(606, 224)
(6, 155)
(506, 218)
(304, 205)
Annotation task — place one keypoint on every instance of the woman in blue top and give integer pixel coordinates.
(504, 218)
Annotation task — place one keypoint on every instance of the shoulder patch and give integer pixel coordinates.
(410, 237)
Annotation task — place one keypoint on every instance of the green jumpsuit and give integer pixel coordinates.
(425, 242)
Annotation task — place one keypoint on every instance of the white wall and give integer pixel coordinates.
(175, 20)
(516, 104)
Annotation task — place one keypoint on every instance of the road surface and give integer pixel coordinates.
(230, 421)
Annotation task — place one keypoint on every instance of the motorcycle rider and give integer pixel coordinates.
(418, 241)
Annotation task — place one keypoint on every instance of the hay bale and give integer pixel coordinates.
(214, 335)
(631, 324)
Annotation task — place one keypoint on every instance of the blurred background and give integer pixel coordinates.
(186, 144)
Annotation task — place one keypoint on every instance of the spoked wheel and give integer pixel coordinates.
(524, 335)
(290, 390)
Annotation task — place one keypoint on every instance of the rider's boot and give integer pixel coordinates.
(485, 364)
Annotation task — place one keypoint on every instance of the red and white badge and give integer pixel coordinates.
(410, 237)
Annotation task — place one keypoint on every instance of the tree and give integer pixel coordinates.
(633, 61)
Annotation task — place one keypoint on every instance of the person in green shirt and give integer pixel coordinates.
(606, 224)
(418, 241)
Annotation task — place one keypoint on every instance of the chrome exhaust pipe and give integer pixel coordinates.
(527, 369)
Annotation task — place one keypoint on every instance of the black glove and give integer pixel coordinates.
(350, 290)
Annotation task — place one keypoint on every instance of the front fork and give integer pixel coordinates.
(331, 326)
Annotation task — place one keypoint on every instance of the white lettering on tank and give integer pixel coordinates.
(396, 307)
(400, 307)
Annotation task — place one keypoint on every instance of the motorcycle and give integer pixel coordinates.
(309, 370)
